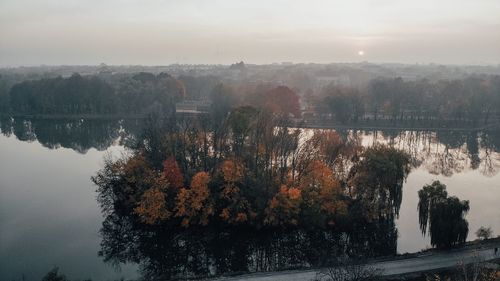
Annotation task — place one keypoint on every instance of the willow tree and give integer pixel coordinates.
(377, 180)
(442, 217)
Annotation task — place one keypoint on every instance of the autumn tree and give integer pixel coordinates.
(173, 173)
(282, 100)
(236, 208)
(321, 195)
(232, 171)
(284, 208)
(152, 208)
(122, 183)
(194, 204)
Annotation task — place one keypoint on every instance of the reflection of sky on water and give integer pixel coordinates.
(453, 161)
(48, 212)
(49, 216)
(482, 192)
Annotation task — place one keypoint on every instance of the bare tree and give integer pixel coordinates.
(476, 271)
(470, 272)
(347, 270)
(484, 233)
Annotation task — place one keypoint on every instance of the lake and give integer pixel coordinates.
(49, 215)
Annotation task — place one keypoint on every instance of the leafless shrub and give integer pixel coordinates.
(346, 270)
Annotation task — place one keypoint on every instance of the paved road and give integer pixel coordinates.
(424, 262)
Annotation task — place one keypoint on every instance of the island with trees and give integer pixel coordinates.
(244, 192)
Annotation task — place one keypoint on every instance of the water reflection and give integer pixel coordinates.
(165, 254)
(77, 134)
(444, 154)
(440, 153)
(48, 213)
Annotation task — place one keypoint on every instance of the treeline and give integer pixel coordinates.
(243, 192)
(472, 100)
(475, 99)
(137, 94)
(4, 95)
(91, 95)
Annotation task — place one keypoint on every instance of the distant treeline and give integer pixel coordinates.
(92, 95)
(138, 94)
(474, 99)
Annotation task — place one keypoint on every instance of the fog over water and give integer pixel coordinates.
(162, 32)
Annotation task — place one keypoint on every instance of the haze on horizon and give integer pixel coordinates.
(156, 32)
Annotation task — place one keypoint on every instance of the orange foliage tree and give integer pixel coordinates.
(173, 173)
(282, 100)
(194, 204)
(232, 171)
(284, 208)
(322, 193)
(152, 208)
(236, 208)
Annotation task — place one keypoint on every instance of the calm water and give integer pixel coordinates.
(468, 163)
(49, 215)
(48, 212)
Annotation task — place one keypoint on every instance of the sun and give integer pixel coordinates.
(361, 53)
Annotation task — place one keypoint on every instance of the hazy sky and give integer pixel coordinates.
(158, 32)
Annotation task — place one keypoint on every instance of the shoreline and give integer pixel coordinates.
(298, 123)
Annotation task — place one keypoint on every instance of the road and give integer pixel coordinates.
(424, 262)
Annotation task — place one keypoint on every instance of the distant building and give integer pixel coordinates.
(103, 71)
(340, 80)
(193, 107)
(238, 66)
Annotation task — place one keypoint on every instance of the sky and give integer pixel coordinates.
(160, 32)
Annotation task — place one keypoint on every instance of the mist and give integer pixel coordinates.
(222, 32)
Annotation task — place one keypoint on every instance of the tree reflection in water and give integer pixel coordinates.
(441, 153)
(77, 134)
(167, 253)
(217, 249)
(446, 152)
